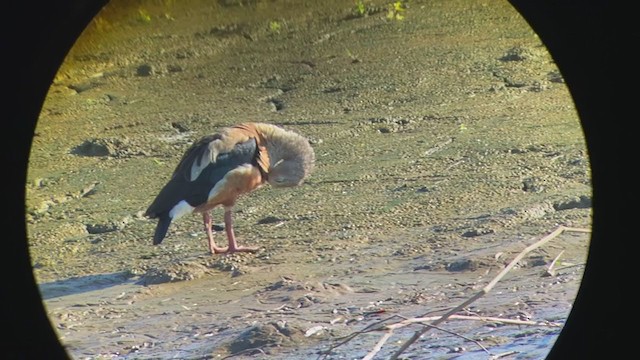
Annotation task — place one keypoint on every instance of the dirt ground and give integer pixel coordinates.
(446, 142)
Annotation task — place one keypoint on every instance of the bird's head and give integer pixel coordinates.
(291, 157)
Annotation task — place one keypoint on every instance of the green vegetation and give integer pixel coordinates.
(396, 10)
(144, 16)
(360, 9)
(275, 26)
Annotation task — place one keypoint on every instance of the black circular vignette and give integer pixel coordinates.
(580, 37)
(35, 38)
(583, 38)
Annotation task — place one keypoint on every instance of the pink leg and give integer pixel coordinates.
(233, 245)
(213, 249)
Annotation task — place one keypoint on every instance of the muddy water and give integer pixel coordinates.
(119, 317)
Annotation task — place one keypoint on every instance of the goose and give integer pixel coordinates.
(217, 169)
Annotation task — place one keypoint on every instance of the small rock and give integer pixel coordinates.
(477, 232)
(533, 185)
(217, 227)
(462, 265)
(174, 68)
(582, 202)
(109, 227)
(181, 127)
(423, 267)
(91, 148)
(38, 183)
(518, 53)
(78, 88)
(269, 220)
(313, 330)
(276, 104)
(113, 147)
(101, 228)
(555, 77)
(145, 70)
(89, 190)
(273, 334)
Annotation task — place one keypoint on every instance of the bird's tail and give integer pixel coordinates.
(164, 220)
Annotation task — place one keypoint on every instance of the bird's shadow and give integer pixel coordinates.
(80, 284)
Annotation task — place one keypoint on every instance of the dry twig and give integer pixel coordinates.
(550, 271)
(487, 288)
(377, 326)
(244, 352)
(466, 317)
(498, 356)
(451, 314)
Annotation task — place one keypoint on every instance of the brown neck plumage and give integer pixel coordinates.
(289, 155)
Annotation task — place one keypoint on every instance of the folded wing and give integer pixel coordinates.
(204, 164)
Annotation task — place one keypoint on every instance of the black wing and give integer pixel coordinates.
(195, 192)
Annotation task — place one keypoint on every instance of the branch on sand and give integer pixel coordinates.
(450, 315)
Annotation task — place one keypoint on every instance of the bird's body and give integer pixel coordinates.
(219, 168)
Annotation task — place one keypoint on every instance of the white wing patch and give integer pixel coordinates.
(209, 156)
(218, 187)
(180, 209)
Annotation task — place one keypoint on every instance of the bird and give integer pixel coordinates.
(218, 168)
